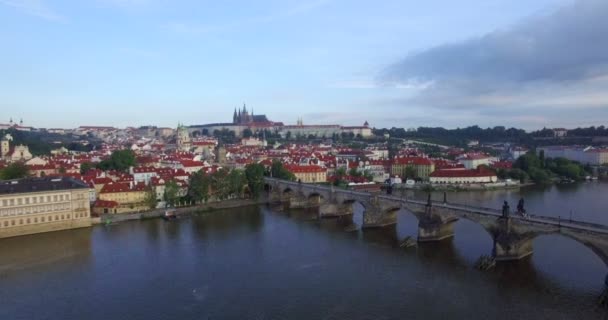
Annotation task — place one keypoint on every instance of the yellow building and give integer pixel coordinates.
(129, 199)
(422, 167)
(308, 174)
(36, 205)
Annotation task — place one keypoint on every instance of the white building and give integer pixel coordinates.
(474, 160)
(460, 176)
(584, 155)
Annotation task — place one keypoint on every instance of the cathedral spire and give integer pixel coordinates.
(234, 116)
(244, 108)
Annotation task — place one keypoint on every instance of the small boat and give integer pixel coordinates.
(169, 215)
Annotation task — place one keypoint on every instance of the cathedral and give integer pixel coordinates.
(242, 117)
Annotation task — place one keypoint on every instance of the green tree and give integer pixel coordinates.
(527, 161)
(539, 175)
(255, 179)
(247, 133)
(353, 172)
(236, 181)
(219, 184)
(120, 160)
(541, 158)
(171, 194)
(150, 198)
(199, 186)
(85, 167)
(277, 170)
(288, 135)
(410, 172)
(15, 170)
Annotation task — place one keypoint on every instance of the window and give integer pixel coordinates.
(6, 223)
(68, 216)
(12, 222)
(35, 200)
(19, 201)
(48, 198)
(20, 221)
(42, 219)
(27, 200)
(4, 203)
(62, 217)
(28, 221)
(55, 198)
(35, 220)
(56, 218)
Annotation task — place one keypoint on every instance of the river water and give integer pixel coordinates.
(255, 263)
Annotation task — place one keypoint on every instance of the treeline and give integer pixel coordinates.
(459, 136)
(539, 169)
(41, 143)
(226, 184)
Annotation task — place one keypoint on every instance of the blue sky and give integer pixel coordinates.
(394, 63)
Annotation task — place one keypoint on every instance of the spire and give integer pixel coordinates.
(244, 108)
(234, 116)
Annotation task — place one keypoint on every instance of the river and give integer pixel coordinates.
(255, 263)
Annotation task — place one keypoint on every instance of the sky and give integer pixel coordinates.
(394, 63)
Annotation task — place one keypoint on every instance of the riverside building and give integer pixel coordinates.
(35, 205)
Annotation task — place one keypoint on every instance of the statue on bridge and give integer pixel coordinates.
(505, 209)
(520, 207)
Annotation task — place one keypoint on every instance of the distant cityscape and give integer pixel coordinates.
(356, 157)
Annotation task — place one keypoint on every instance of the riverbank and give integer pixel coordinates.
(181, 211)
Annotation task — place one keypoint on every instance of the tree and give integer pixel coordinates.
(541, 158)
(247, 133)
(255, 179)
(199, 187)
(85, 167)
(15, 170)
(277, 170)
(288, 135)
(150, 198)
(171, 194)
(353, 172)
(120, 160)
(410, 172)
(236, 181)
(219, 184)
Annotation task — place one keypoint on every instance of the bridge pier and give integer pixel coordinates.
(379, 214)
(435, 227)
(300, 201)
(334, 209)
(509, 244)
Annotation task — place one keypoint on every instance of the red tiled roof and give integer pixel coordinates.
(105, 204)
(413, 161)
(462, 173)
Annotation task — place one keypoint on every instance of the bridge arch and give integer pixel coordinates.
(472, 239)
(559, 255)
(597, 246)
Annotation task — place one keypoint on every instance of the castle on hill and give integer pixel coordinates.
(242, 119)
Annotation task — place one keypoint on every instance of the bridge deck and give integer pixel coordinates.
(533, 219)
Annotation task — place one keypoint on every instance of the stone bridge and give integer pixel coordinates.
(512, 234)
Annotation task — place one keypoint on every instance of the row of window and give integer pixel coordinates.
(45, 219)
(34, 199)
(35, 209)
